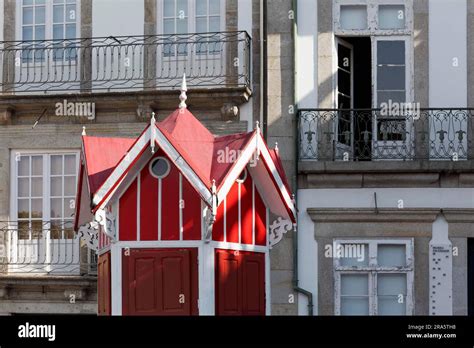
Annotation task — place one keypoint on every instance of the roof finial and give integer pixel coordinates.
(84, 130)
(276, 146)
(257, 125)
(152, 132)
(183, 96)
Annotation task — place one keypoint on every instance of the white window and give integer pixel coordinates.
(384, 17)
(373, 277)
(191, 16)
(47, 20)
(44, 193)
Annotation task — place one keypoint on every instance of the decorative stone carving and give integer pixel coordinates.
(229, 111)
(277, 229)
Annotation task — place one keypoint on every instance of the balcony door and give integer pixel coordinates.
(43, 192)
(192, 42)
(344, 132)
(393, 132)
(47, 58)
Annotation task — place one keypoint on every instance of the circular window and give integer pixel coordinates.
(160, 167)
(242, 176)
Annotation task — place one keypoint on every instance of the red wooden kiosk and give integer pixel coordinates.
(180, 218)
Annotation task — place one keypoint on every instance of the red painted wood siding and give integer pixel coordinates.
(160, 282)
(240, 283)
(252, 218)
(171, 203)
(103, 284)
(128, 213)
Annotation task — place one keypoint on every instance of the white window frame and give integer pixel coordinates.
(48, 33)
(46, 216)
(191, 16)
(373, 17)
(372, 270)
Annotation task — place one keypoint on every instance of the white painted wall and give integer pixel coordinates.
(307, 54)
(363, 198)
(448, 45)
(306, 85)
(117, 17)
(244, 22)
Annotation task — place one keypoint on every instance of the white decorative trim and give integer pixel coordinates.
(89, 233)
(277, 229)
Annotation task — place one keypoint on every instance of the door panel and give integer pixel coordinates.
(240, 283)
(160, 282)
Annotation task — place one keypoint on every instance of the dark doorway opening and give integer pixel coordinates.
(361, 94)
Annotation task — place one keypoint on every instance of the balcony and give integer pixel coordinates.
(126, 63)
(38, 247)
(356, 135)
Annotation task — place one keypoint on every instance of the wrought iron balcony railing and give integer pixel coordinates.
(209, 60)
(43, 247)
(370, 134)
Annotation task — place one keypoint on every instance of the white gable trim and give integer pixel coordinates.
(256, 143)
(104, 194)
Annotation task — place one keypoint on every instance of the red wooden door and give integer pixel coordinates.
(240, 283)
(160, 282)
(103, 280)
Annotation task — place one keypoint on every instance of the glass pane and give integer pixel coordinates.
(39, 2)
(214, 7)
(70, 164)
(69, 186)
(168, 8)
(182, 27)
(395, 97)
(37, 165)
(56, 164)
(40, 15)
(353, 254)
(70, 13)
(344, 82)
(56, 186)
(355, 306)
(391, 52)
(56, 207)
(182, 8)
(23, 209)
(391, 255)
(56, 230)
(39, 32)
(391, 294)
(391, 284)
(201, 25)
(58, 31)
(28, 15)
(36, 187)
(23, 230)
(391, 78)
(68, 230)
(70, 31)
(353, 17)
(27, 33)
(58, 14)
(214, 24)
(201, 7)
(24, 165)
(168, 26)
(68, 207)
(391, 16)
(36, 229)
(36, 208)
(23, 187)
(355, 284)
(27, 2)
